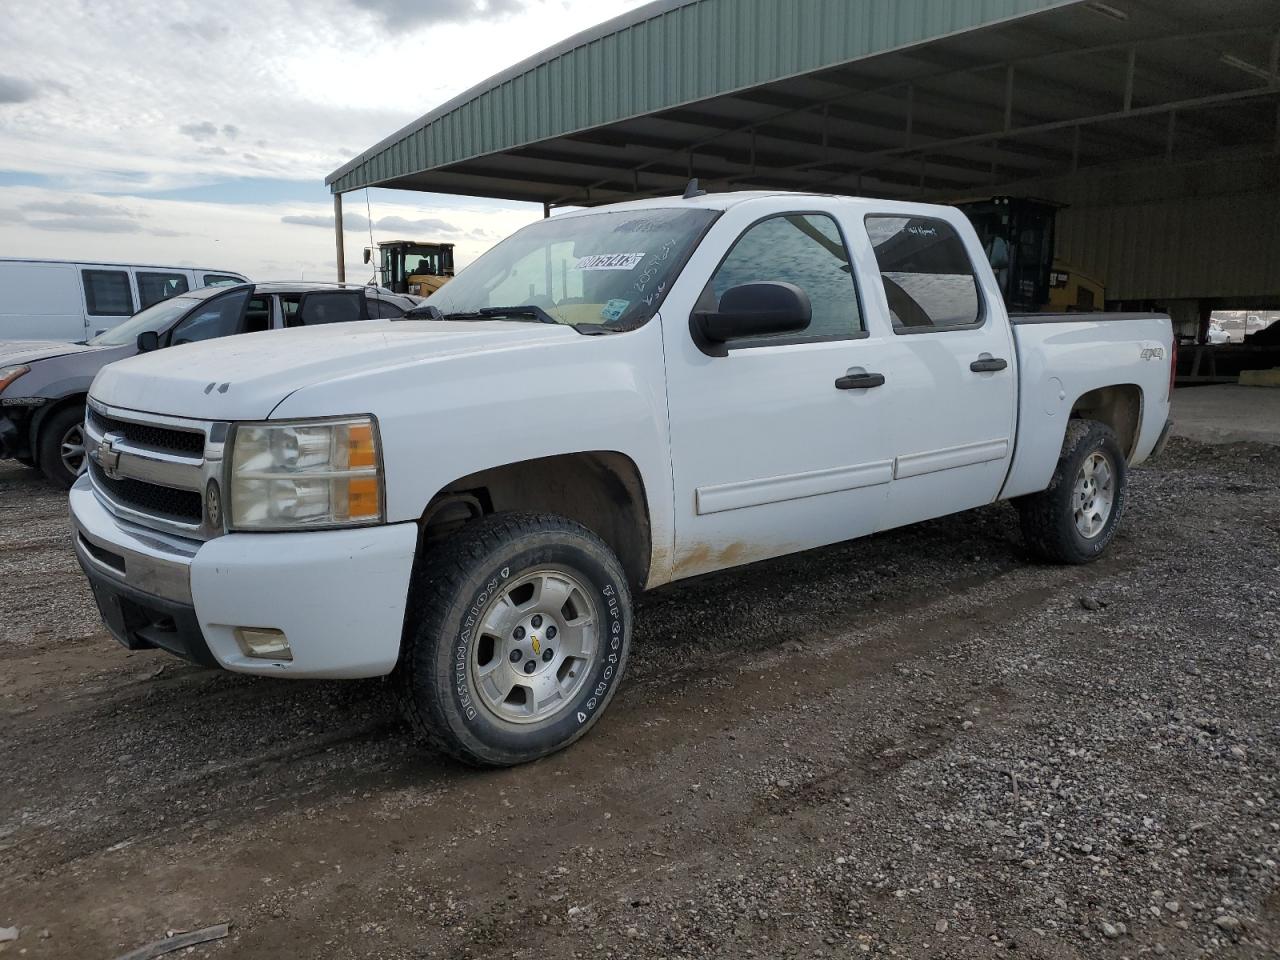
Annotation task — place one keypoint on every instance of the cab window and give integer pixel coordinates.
(807, 250)
(927, 275)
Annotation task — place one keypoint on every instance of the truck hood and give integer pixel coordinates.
(245, 377)
(28, 351)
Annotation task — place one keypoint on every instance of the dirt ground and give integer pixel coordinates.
(921, 745)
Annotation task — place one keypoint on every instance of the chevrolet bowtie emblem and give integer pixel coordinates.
(108, 457)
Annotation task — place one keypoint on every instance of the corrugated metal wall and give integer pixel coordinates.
(1189, 247)
(680, 55)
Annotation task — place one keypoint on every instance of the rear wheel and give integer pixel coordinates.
(1075, 519)
(516, 640)
(61, 448)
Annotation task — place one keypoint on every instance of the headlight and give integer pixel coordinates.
(12, 373)
(309, 473)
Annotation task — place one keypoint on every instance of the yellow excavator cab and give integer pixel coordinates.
(412, 266)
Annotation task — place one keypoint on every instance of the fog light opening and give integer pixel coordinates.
(264, 643)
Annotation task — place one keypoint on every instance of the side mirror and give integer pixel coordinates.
(752, 310)
(148, 340)
(368, 254)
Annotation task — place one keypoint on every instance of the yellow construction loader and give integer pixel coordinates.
(412, 266)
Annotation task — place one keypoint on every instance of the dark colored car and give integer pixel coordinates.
(43, 384)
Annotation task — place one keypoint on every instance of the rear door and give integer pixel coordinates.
(949, 365)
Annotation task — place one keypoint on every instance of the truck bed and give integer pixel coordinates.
(1064, 356)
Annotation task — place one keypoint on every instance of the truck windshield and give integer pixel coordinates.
(157, 317)
(607, 271)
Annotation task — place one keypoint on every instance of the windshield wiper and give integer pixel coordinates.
(431, 312)
(428, 311)
(536, 313)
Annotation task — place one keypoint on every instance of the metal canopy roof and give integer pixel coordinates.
(932, 99)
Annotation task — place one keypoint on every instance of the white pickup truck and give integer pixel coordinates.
(609, 400)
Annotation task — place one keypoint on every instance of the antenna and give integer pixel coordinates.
(693, 190)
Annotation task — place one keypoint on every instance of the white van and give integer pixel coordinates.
(66, 300)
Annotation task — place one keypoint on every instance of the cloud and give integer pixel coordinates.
(350, 221)
(399, 14)
(230, 131)
(428, 225)
(89, 224)
(199, 131)
(78, 208)
(423, 228)
(17, 90)
(206, 28)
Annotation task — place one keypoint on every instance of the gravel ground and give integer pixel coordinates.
(922, 745)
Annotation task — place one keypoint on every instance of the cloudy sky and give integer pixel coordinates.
(171, 131)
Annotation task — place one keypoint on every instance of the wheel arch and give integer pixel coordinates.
(48, 410)
(1118, 406)
(603, 490)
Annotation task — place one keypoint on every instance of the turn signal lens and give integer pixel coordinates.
(361, 452)
(12, 373)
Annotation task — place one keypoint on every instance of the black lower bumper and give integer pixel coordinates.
(141, 621)
(14, 432)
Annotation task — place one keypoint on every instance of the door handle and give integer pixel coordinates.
(860, 381)
(988, 365)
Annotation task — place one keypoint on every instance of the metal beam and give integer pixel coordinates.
(1152, 110)
(338, 239)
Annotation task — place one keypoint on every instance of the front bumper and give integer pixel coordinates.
(338, 595)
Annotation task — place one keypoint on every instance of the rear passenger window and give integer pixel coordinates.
(807, 250)
(220, 280)
(154, 287)
(106, 293)
(928, 277)
(338, 306)
(380, 309)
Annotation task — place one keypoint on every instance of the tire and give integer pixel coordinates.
(56, 436)
(1067, 522)
(481, 598)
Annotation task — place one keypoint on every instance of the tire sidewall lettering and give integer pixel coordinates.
(606, 666)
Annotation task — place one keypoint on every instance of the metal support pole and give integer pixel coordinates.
(337, 236)
(1131, 73)
(911, 112)
(1008, 98)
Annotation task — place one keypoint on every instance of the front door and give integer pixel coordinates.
(774, 448)
(950, 367)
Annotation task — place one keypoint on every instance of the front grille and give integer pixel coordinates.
(183, 506)
(146, 435)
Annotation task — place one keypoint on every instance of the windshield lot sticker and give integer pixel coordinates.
(614, 309)
(609, 261)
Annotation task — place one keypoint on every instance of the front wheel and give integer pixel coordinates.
(516, 639)
(1075, 519)
(61, 448)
